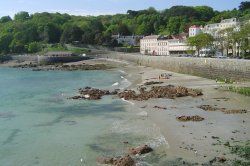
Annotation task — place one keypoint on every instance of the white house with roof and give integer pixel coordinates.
(195, 30)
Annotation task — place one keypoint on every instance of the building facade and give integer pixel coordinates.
(133, 40)
(195, 30)
(214, 29)
(172, 45)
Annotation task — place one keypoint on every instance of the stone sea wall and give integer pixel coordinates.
(214, 68)
(48, 59)
(60, 59)
(32, 58)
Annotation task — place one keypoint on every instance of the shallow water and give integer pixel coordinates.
(39, 126)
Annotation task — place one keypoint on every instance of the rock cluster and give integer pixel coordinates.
(190, 118)
(221, 159)
(152, 83)
(125, 160)
(163, 108)
(28, 65)
(73, 67)
(92, 93)
(210, 108)
(117, 161)
(207, 108)
(234, 111)
(83, 67)
(168, 91)
(140, 150)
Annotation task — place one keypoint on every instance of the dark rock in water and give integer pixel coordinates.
(66, 67)
(75, 97)
(168, 91)
(152, 83)
(164, 108)
(124, 161)
(102, 160)
(117, 161)
(92, 93)
(36, 69)
(190, 118)
(140, 150)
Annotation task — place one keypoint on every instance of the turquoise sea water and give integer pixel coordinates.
(40, 126)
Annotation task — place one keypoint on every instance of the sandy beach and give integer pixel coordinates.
(192, 142)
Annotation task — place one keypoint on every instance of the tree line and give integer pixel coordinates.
(29, 33)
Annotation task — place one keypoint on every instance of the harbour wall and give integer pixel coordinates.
(213, 68)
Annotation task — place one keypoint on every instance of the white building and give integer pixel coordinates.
(164, 45)
(195, 30)
(213, 29)
(149, 44)
(133, 40)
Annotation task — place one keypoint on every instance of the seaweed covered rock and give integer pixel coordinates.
(92, 93)
(240, 111)
(190, 118)
(117, 161)
(168, 91)
(140, 150)
(152, 83)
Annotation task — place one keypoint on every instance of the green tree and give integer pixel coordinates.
(123, 29)
(5, 19)
(205, 13)
(200, 41)
(71, 33)
(34, 47)
(244, 5)
(227, 39)
(51, 33)
(176, 25)
(245, 40)
(5, 41)
(22, 16)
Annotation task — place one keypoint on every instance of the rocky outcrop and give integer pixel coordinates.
(207, 108)
(125, 160)
(65, 67)
(210, 108)
(92, 93)
(168, 91)
(152, 83)
(140, 150)
(27, 65)
(235, 111)
(84, 67)
(190, 118)
(117, 161)
(159, 107)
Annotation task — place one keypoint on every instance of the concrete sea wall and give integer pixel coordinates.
(229, 69)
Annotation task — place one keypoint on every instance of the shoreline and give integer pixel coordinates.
(194, 142)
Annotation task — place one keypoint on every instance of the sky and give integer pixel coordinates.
(101, 7)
